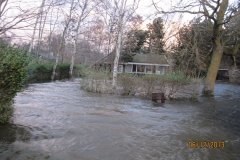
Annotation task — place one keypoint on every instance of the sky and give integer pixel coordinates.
(145, 9)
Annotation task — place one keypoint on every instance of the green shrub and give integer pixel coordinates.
(6, 111)
(62, 71)
(39, 73)
(43, 72)
(13, 73)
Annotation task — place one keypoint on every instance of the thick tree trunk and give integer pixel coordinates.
(217, 51)
(210, 80)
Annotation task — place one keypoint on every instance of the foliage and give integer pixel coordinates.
(13, 63)
(134, 43)
(127, 57)
(174, 81)
(128, 82)
(6, 111)
(156, 35)
(144, 41)
(168, 84)
(42, 72)
(149, 83)
(192, 54)
(177, 77)
(96, 80)
(135, 40)
(96, 74)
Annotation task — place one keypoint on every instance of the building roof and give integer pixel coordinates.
(150, 58)
(137, 58)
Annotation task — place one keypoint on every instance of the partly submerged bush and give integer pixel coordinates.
(43, 72)
(170, 84)
(128, 83)
(39, 72)
(13, 73)
(177, 77)
(149, 83)
(96, 80)
(174, 81)
(97, 74)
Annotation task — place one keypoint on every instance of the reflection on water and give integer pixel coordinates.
(59, 121)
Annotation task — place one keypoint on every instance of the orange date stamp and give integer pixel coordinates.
(206, 144)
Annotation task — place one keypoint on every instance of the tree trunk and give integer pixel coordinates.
(118, 49)
(55, 67)
(73, 58)
(61, 47)
(35, 26)
(217, 53)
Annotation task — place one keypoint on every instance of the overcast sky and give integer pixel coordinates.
(145, 9)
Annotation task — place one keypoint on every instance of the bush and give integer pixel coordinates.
(43, 72)
(96, 80)
(6, 111)
(13, 73)
(174, 81)
(128, 82)
(149, 83)
(39, 73)
(100, 74)
(168, 84)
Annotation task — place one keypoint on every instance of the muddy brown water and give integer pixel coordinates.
(60, 121)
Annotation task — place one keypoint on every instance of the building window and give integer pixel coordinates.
(148, 69)
(154, 69)
(120, 68)
(134, 68)
(140, 68)
(161, 70)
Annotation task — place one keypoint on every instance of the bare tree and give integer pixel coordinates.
(108, 13)
(125, 9)
(215, 11)
(39, 16)
(82, 11)
(13, 17)
(63, 36)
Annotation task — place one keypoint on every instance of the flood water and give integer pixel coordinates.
(59, 121)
